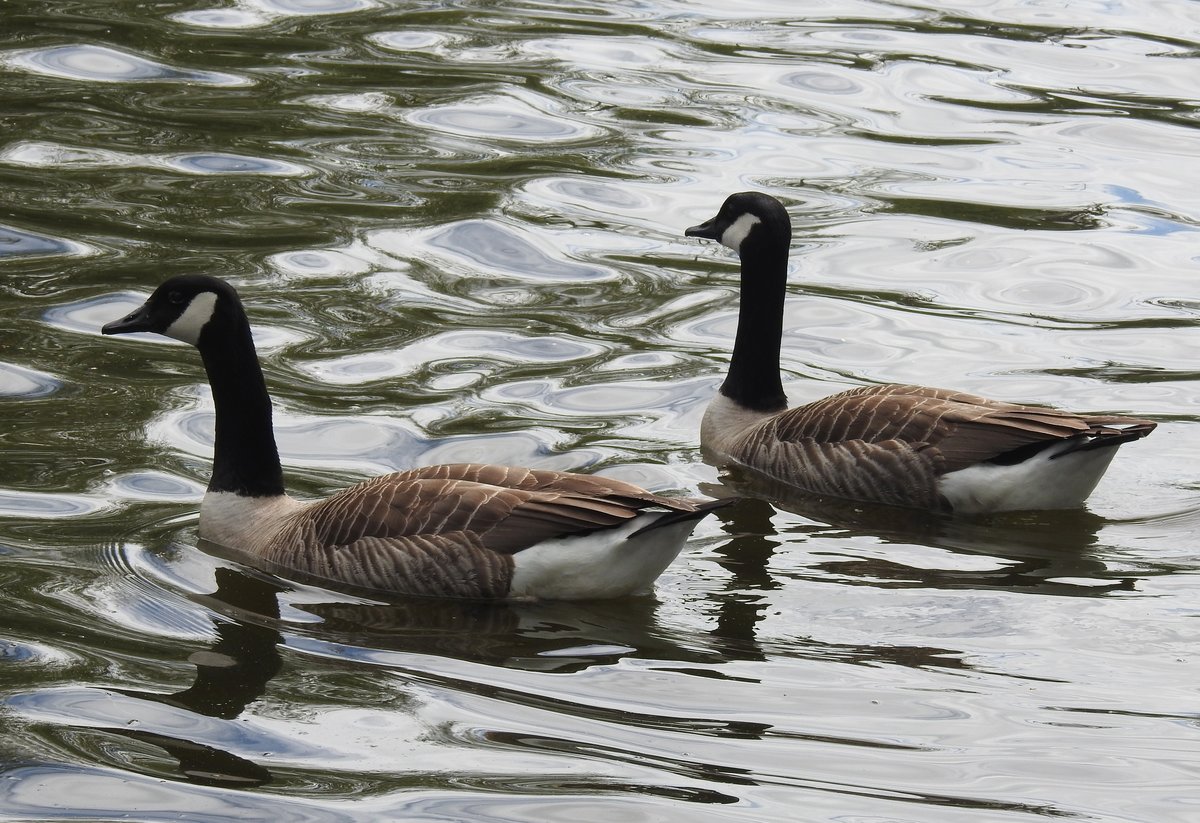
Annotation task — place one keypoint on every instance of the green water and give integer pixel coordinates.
(457, 227)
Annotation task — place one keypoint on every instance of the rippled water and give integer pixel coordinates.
(458, 228)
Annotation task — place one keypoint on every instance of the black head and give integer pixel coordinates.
(180, 308)
(747, 214)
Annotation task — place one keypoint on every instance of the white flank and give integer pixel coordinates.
(242, 522)
(733, 236)
(599, 565)
(187, 327)
(1034, 484)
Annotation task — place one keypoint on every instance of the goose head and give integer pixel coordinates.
(183, 307)
(747, 219)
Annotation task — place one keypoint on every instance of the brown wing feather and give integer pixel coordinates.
(890, 471)
(965, 428)
(450, 564)
(537, 505)
(452, 529)
(893, 442)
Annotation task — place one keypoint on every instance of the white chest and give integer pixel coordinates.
(245, 523)
(725, 423)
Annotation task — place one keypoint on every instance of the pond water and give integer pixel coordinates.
(457, 227)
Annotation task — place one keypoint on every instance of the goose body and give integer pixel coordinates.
(912, 446)
(462, 530)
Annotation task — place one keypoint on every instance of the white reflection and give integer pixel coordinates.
(45, 155)
(247, 14)
(101, 64)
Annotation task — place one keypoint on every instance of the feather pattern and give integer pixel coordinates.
(461, 530)
(453, 529)
(903, 445)
(893, 443)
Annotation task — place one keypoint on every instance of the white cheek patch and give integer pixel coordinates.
(199, 311)
(733, 236)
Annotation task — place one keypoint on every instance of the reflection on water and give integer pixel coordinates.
(50, 155)
(17, 381)
(33, 504)
(458, 230)
(15, 242)
(230, 675)
(237, 668)
(107, 65)
(1049, 552)
(523, 119)
(257, 13)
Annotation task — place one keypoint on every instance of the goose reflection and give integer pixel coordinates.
(556, 637)
(1044, 552)
(742, 605)
(747, 557)
(247, 605)
(235, 671)
(539, 635)
(255, 614)
(230, 676)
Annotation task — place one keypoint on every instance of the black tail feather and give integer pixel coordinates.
(1110, 438)
(1100, 437)
(701, 510)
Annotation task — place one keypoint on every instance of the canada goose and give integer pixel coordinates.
(903, 445)
(464, 530)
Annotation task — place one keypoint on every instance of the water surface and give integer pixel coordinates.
(458, 230)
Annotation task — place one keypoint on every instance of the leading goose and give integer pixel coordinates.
(904, 445)
(465, 530)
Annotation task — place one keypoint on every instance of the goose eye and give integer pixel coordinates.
(175, 297)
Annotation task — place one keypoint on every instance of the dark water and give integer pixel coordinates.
(457, 226)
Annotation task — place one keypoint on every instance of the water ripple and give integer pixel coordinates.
(620, 202)
(152, 485)
(108, 65)
(14, 503)
(319, 263)
(19, 381)
(364, 103)
(245, 14)
(528, 119)
(496, 247)
(411, 42)
(34, 654)
(41, 792)
(481, 350)
(20, 243)
(457, 226)
(536, 447)
(44, 155)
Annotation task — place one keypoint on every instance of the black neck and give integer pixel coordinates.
(245, 459)
(753, 380)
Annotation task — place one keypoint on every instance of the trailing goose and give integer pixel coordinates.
(910, 446)
(465, 530)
